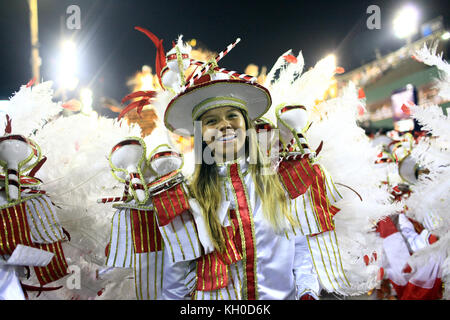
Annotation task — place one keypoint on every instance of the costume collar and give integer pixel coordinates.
(222, 167)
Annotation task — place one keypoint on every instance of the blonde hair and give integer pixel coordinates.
(205, 187)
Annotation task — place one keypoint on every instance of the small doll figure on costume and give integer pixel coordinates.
(265, 231)
(31, 234)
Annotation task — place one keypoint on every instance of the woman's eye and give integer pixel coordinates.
(210, 122)
(232, 116)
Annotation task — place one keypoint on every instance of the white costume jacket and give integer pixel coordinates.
(168, 246)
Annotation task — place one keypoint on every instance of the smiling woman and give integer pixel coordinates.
(246, 210)
(224, 132)
(264, 219)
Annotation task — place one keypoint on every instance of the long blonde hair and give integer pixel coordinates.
(205, 187)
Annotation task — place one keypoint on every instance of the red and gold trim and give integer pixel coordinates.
(125, 143)
(14, 228)
(170, 203)
(173, 56)
(247, 232)
(287, 108)
(212, 268)
(146, 235)
(165, 154)
(211, 272)
(323, 210)
(297, 176)
(162, 180)
(56, 269)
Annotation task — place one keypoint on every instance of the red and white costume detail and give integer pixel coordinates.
(157, 240)
(423, 283)
(260, 264)
(31, 235)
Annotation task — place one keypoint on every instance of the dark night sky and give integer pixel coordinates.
(110, 51)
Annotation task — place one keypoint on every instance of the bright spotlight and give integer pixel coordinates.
(406, 22)
(68, 65)
(446, 35)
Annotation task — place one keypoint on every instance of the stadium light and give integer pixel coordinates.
(68, 66)
(406, 22)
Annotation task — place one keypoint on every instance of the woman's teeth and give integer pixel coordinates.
(227, 138)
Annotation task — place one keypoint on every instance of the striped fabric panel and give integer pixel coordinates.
(121, 248)
(327, 261)
(232, 236)
(212, 268)
(233, 291)
(146, 234)
(304, 212)
(190, 280)
(148, 273)
(332, 192)
(323, 208)
(296, 176)
(320, 205)
(170, 203)
(313, 210)
(14, 229)
(43, 221)
(247, 229)
(181, 238)
(56, 269)
(211, 273)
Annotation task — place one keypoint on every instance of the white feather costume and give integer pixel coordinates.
(348, 156)
(429, 201)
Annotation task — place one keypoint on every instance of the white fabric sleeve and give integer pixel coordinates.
(177, 284)
(10, 288)
(306, 279)
(203, 235)
(416, 241)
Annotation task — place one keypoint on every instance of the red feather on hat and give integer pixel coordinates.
(8, 128)
(146, 97)
(160, 62)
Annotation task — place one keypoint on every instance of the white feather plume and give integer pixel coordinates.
(288, 85)
(75, 175)
(430, 57)
(349, 157)
(430, 199)
(31, 108)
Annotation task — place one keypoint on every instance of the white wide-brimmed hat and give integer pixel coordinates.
(188, 106)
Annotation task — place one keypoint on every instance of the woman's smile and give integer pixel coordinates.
(223, 130)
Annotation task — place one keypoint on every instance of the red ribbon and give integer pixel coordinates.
(174, 56)
(287, 108)
(246, 219)
(125, 143)
(164, 154)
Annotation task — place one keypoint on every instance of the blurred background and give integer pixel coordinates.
(92, 53)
